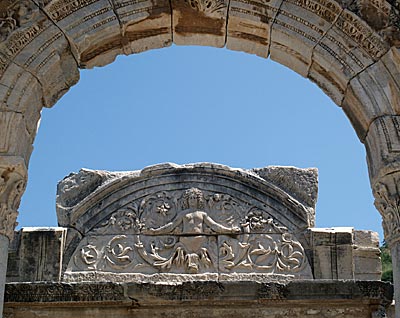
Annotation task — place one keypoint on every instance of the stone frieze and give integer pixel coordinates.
(187, 228)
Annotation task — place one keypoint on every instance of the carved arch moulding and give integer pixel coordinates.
(350, 49)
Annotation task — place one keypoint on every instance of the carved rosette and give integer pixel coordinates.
(387, 201)
(12, 185)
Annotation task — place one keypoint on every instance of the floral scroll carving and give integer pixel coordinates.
(266, 253)
(190, 232)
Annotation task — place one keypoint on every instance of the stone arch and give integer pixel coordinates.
(347, 51)
(348, 48)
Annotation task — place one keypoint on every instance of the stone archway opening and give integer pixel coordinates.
(260, 142)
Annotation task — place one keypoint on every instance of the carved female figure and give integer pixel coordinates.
(193, 220)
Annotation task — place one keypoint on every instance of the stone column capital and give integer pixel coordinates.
(13, 177)
(386, 191)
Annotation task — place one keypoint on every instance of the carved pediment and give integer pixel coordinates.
(198, 219)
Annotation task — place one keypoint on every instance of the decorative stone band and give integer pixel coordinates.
(13, 177)
(387, 201)
(379, 293)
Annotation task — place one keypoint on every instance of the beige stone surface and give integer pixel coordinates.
(36, 255)
(249, 26)
(367, 262)
(305, 23)
(92, 28)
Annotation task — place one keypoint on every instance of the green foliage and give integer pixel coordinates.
(387, 269)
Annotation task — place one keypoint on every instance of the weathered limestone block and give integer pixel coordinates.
(366, 253)
(20, 106)
(199, 22)
(338, 57)
(15, 84)
(145, 24)
(92, 28)
(347, 48)
(16, 139)
(371, 94)
(291, 25)
(38, 255)
(391, 60)
(345, 253)
(197, 221)
(302, 184)
(249, 25)
(333, 253)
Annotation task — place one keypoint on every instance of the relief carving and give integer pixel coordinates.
(207, 6)
(387, 201)
(190, 232)
(274, 254)
(180, 254)
(192, 220)
(125, 220)
(260, 221)
(12, 186)
(16, 15)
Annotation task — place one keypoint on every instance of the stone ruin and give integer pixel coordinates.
(193, 235)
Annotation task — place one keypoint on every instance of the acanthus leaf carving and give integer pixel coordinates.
(12, 186)
(387, 201)
(207, 6)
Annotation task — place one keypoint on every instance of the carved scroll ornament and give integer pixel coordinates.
(188, 232)
(12, 186)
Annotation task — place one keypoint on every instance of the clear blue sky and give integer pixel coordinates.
(199, 104)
